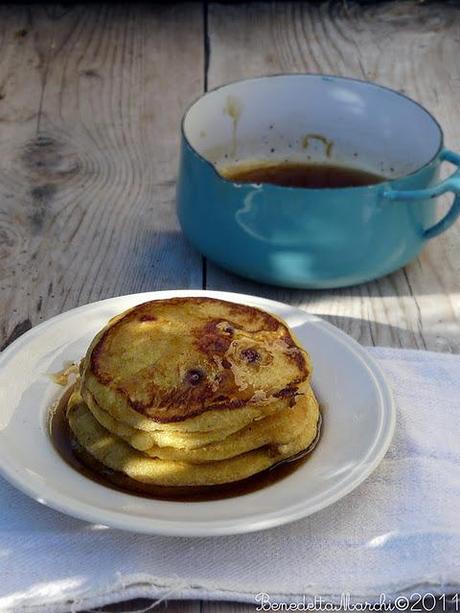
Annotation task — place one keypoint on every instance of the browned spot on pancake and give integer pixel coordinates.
(147, 317)
(169, 414)
(98, 349)
(269, 322)
(295, 353)
(225, 381)
(287, 392)
(212, 339)
(213, 343)
(273, 450)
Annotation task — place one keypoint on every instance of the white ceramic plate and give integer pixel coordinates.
(358, 423)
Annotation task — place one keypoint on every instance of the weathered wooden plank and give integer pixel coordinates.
(409, 46)
(20, 86)
(94, 96)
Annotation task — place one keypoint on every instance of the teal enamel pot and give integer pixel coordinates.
(313, 238)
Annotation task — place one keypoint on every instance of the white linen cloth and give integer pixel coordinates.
(398, 533)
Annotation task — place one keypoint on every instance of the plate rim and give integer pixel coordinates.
(121, 520)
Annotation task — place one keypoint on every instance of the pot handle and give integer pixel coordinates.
(451, 184)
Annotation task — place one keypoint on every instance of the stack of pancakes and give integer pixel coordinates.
(193, 391)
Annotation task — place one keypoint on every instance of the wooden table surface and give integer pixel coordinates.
(90, 102)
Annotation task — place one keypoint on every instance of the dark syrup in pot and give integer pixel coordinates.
(79, 459)
(300, 174)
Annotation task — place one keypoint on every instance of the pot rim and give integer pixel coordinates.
(323, 76)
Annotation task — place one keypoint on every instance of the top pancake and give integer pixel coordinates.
(171, 360)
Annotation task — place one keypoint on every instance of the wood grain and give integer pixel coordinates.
(409, 46)
(20, 80)
(92, 100)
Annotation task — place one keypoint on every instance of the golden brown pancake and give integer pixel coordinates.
(210, 421)
(170, 362)
(167, 437)
(278, 428)
(117, 455)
